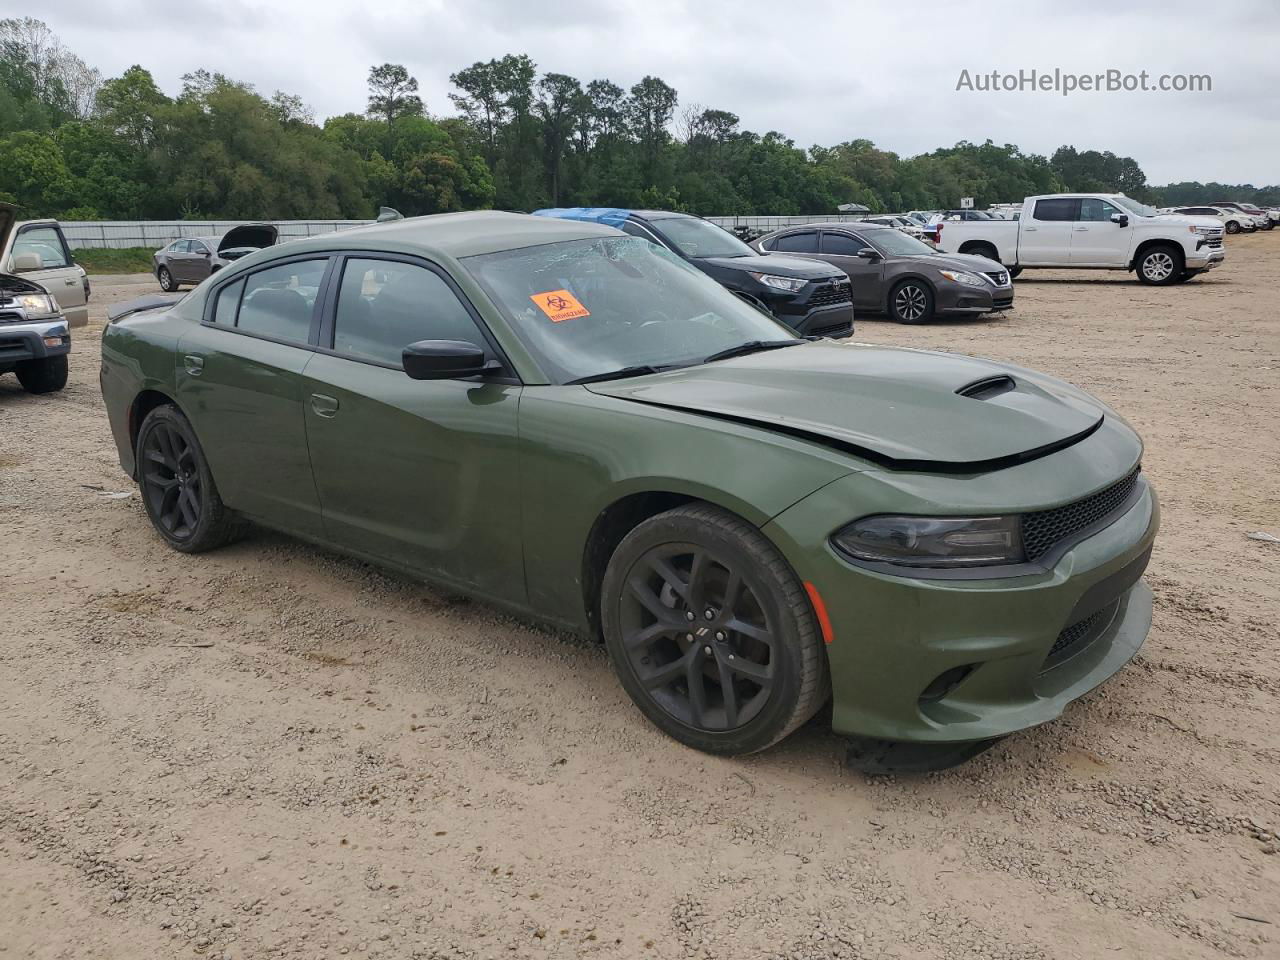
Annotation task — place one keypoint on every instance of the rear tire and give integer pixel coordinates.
(167, 283)
(711, 632)
(43, 376)
(1233, 227)
(178, 491)
(1014, 271)
(1160, 265)
(911, 302)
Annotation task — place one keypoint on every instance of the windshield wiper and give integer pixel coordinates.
(639, 370)
(751, 346)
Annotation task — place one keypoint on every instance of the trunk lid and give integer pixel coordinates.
(894, 406)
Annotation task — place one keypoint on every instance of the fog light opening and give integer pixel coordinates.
(945, 682)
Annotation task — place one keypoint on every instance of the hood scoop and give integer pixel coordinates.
(987, 387)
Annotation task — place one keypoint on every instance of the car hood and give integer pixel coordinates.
(958, 261)
(255, 235)
(898, 407)
(800, 267)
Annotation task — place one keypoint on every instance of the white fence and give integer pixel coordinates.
(156, 233)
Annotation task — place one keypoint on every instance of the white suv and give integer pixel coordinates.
(36, 250)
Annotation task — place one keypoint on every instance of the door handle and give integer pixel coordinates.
(324, 406)
(193, 364)
(70, 281)
(1082, 229)
(1028, 229)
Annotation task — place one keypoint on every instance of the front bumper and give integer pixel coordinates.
(895, 636)
(958, 299)
(1206, 257)
(33, 341)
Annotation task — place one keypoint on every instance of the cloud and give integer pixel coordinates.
(817, 72)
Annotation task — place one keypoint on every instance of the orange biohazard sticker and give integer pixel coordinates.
(560, 305)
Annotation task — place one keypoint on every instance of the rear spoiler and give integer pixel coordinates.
(151, 301)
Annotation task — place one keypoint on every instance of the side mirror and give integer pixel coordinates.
(443, 360)
(867, 253)
(1120, 219)
(26, 261)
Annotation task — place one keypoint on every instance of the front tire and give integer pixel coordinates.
(1233, 227)
(711, 633)
(1160, 265)
(911, 302)
(167, 283)
(1013, 272)
(178, 491)
(43, 376)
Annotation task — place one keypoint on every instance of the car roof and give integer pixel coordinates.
(859, 225)
(459, 234)
(613, 216)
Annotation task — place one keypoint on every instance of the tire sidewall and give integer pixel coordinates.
(168, 286)
(770, 724)
(929, 302)
(204, 531)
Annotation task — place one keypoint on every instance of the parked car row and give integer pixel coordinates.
(1234, 217)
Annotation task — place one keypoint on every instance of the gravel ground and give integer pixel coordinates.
(272, 751)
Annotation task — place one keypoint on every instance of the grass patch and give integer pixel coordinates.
(125, 260)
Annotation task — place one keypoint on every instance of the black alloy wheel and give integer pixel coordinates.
(171, 481)
(697, 637)
(711, 632)
(178, 491)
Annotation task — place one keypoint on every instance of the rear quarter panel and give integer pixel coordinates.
(138, 354)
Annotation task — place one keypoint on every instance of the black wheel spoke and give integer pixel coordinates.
(697, 686)
(750, 630)
(728, 693)
(758, 672)
(732, 591)
(652, 602)
(663, 568)
(156, 480)
(668, 674)
(188, 507)
(641, 639)
(698, 580)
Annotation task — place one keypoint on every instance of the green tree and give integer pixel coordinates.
(393, 93)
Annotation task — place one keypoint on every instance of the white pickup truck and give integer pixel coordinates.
(1104, 231)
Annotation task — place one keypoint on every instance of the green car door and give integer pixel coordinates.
(239, 380)
(423, 474)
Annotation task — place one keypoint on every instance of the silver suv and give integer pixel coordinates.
(35, 336)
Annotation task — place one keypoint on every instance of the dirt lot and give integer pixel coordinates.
(274, 752)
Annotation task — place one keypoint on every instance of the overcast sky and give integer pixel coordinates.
(819, 72)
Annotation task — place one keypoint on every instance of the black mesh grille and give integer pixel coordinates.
(1078, 636)
(830, 293)
(1042, 530)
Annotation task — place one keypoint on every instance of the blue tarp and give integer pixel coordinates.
(610, 216)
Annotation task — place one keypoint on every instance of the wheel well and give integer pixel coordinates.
(143, 404)
(615, 522)
(971, 246)
(1148, 244)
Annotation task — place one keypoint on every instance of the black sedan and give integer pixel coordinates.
(896, 274)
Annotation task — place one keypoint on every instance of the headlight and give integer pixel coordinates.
(1205, 231)
(934, 541)
(789, 284)
(972, 279)
(39, 306)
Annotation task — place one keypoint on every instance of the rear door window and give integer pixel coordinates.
(841, 245)
(224, 309)
(1058, 208)
(805, 242)
(278, 302)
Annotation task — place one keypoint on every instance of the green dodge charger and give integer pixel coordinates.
(576, 425)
